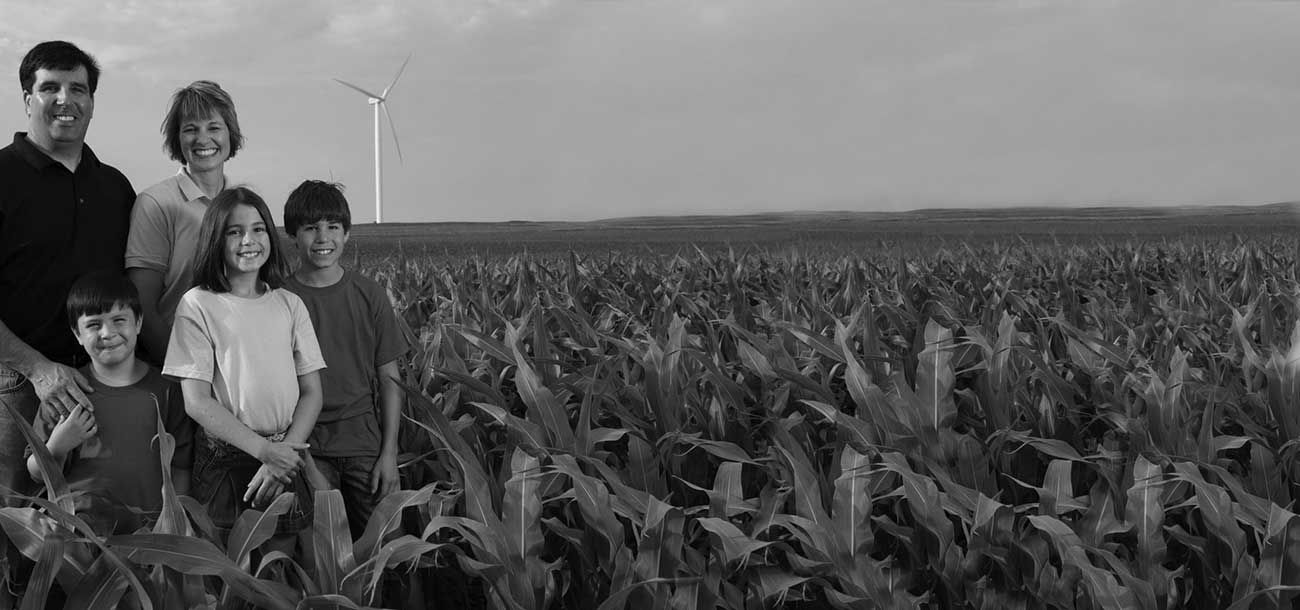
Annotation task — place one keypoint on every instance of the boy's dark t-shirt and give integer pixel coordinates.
(122, 461)
(357, 331)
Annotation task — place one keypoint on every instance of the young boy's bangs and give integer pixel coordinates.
(99, 293)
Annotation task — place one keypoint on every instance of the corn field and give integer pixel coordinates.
(990, 426)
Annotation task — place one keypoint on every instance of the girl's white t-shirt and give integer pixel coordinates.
(251, 350)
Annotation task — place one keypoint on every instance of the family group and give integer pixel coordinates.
(121, 312)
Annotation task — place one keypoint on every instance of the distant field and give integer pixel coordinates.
(827, 229)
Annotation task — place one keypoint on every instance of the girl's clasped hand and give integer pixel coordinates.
(280, 461)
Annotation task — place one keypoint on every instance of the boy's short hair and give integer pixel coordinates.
(314, 201)
(199, 100)
(56, 55)
(98, 293)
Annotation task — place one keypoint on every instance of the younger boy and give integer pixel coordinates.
(354, 450)
(110, 451)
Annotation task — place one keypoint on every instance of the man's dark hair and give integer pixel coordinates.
(98, 292)
(314, 201)
(198, 101)
(56, 55)
(209, 257)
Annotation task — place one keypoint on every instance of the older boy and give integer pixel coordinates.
(360, 338)
(110, 452)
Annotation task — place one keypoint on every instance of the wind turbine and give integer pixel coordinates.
(378, 101)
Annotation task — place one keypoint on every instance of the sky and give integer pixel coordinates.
(590, 109)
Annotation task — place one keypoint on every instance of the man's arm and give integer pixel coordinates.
(62, 386)
(154, 334)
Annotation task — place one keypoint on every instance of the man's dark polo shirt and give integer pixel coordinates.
(55, 225)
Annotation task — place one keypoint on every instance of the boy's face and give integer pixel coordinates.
(109, 337)
(321, 243)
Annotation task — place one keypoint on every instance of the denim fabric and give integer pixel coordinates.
(17, 392)
(221, 476)
(351, 475)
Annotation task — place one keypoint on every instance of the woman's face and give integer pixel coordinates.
(205, 143)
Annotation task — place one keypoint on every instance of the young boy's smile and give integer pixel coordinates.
(321, 243)
(109, 337)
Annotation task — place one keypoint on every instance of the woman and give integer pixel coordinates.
(201, 131)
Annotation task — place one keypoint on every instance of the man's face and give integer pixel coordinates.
(109, 338)
(59, 107)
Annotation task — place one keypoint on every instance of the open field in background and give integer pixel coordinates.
(903, 229)
(1008, 411)
(1003, 411)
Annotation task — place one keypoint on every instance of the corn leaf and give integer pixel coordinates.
(851, 504)
(253, 528)
(1146, 513)
(331, 540)
(935, 378)
(101, 587)
(594, 505)
(195, 556)
(56, 487)
(541, 402)
(386, 517)
(48, 563)
(736, 547)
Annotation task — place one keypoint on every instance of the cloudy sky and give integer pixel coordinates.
(585, 109)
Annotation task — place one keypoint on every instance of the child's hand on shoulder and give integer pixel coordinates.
(72, 430)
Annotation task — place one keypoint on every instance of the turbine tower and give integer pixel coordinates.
(379, 101)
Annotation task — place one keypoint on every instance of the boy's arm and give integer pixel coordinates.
(307, 409)
(63, 436)
(384, 478)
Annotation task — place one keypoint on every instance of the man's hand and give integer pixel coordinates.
(64, 387)
(383, 477)
(71, 431)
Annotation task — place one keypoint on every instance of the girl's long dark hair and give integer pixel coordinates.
(209, 256)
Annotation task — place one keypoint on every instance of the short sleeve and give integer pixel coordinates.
(390, 342)
(180, 426)
(191, 354)
(307, 356)
(149, 242)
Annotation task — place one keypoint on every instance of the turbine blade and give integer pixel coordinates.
(399, 75)
(393, 129)
(356, 88)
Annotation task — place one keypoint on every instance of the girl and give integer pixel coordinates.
(247, 359)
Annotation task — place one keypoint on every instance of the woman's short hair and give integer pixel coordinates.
(199, 100)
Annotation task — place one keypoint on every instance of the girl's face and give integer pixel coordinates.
(247, 242)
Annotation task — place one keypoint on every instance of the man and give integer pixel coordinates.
(63, 213)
